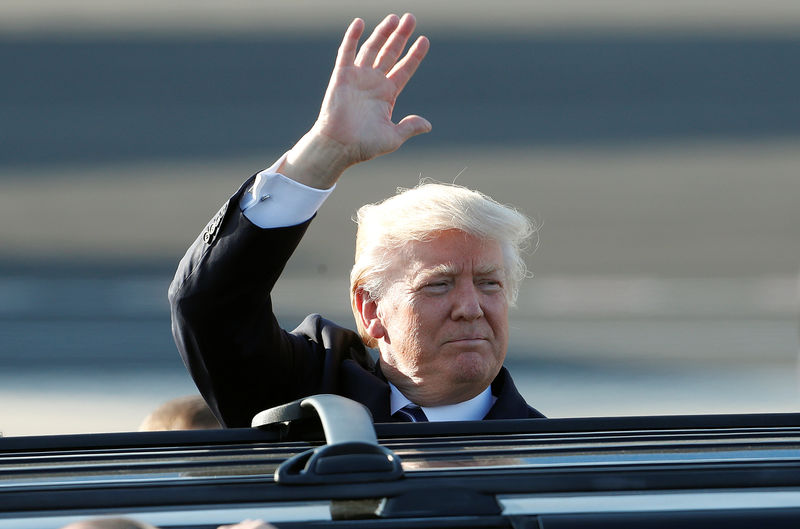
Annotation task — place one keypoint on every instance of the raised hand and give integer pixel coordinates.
(355, 121)
(357, 109)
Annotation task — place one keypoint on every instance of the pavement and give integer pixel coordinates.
(475, 16)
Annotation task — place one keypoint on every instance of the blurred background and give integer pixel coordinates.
(657, 144)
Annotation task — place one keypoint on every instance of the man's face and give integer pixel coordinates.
(444, 318)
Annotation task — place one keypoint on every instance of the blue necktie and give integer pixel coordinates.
(410, 413)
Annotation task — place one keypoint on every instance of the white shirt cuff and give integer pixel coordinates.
(276, 201)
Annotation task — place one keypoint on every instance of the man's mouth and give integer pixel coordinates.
(467, 339)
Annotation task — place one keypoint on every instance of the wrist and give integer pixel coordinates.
(316, 161)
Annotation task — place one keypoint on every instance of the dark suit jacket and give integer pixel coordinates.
(240, 358)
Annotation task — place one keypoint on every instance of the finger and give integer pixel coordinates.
(397, 42)
(406, 67)
(349, 45)
(369, 50)
(412, 125)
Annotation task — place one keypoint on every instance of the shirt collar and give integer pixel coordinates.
(473, 409)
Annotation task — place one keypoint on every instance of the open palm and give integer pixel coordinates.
(357, 110)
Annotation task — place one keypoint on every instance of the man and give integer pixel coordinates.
(436, 270)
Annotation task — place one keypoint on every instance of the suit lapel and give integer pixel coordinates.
(367, 387)
(510, 404)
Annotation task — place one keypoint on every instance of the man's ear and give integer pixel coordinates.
(368, 312)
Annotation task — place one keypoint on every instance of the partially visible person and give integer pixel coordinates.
(183, 413)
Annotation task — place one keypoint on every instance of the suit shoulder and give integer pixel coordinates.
(340, 342)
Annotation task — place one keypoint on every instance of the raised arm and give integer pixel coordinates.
(222, 319)
(355, 121)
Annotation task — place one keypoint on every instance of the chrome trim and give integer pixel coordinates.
(666, 500)
(182, 516)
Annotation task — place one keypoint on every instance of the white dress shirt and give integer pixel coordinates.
(473, 409)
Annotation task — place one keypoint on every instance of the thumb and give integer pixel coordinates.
(410, 126)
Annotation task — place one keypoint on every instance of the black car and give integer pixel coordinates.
(321, 463)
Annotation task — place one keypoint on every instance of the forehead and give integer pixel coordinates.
(451, 249)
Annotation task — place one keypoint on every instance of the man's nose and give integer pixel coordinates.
(467, 303)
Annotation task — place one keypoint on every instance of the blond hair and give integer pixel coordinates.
(419, 214)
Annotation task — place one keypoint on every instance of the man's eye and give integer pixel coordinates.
(436, 285)
(491, 284)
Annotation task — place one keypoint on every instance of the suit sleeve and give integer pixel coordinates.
(223, 323)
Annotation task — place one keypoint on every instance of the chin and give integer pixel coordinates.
(475, 368)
